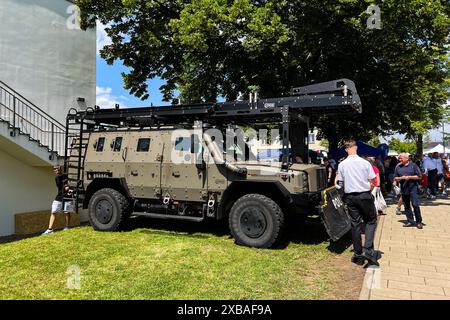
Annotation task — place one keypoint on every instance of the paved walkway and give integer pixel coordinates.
(415, 263)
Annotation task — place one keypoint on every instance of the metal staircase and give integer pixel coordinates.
(25, 118)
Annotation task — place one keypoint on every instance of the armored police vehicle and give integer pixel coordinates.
(192, 162)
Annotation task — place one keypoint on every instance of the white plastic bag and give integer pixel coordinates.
(397, 190)
(380, 203)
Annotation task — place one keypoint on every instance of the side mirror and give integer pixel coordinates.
(112, 144)
(95, 144)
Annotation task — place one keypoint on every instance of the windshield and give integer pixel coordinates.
(240, 151)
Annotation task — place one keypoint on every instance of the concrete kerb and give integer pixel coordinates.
(369, 278)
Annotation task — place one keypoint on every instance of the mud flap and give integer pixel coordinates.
(334, 214)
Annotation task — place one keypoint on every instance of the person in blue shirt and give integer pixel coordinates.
(408, 175)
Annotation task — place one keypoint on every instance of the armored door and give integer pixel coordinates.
(143, 155)
(184, 176)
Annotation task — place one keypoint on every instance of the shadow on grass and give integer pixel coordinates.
(309, 232)
(178, 228)
(15, 237)
(312, 232)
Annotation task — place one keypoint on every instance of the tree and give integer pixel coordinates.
(402, 146)
(444, 123)
(446, 137)
(204, 49)
(374, 141)
(324, 143)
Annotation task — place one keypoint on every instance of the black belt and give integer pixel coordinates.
(356, 193)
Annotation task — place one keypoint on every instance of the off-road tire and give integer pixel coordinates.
(114, 204)
(268, 213)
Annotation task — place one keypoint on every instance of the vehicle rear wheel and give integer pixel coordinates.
(256, 221)
(108, 210)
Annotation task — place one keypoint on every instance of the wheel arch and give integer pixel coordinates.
(118, 184)
(271, 189)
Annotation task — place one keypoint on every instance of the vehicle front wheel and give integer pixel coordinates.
(256, 221)
(108, 210)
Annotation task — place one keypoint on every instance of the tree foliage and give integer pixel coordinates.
(374, 141)
(402, 146)
(206, 49)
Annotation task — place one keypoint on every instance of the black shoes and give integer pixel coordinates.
(358, 259)
(372, 261)
(409, 224)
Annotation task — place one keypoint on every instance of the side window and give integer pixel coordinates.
(143, 145)
(100, 144)
(117, 144)
(183, 144)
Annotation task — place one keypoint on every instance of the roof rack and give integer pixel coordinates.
(336, 96)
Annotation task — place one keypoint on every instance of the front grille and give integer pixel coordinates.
(321, 179)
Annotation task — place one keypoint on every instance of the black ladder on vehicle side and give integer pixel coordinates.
(76, 146)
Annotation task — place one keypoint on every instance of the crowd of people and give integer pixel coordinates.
(365, 181)
(435, 178)
(434, 167)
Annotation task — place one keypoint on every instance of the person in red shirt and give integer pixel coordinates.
(375, 169)
(376, 192)
(377, 179)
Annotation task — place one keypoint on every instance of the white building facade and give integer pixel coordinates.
(47, 66)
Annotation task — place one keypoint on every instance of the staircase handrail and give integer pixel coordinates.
(27, 118)
(33, 106)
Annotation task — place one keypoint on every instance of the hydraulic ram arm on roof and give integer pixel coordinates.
(328, 97)
(338, 96)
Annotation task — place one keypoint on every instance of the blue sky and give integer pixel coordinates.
(110, 85)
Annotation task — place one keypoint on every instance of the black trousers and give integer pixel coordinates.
(388, 183)
(362, 211)
(412, 199)
(432, 181)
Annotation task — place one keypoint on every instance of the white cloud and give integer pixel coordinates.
(102, 37)
(106, 99)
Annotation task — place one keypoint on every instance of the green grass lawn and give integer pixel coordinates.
(166, 260)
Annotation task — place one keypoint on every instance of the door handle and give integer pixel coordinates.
(124, 153)
(176, 174)
(134, 173)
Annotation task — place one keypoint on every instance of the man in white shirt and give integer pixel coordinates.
(440, 172)
(358, 177)
(430, 167)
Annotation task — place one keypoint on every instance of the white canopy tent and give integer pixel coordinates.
(439, 148)
(393, 153)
